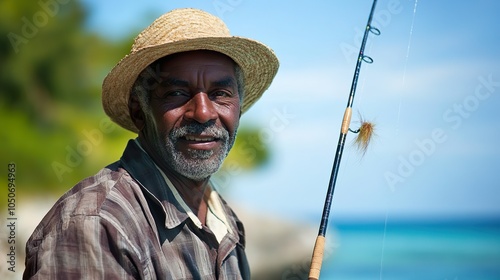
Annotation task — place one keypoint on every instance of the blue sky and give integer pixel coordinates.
(433, 92)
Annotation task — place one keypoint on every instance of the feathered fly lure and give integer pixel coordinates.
(365, 134)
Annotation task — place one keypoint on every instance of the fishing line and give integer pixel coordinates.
(397, 130)
(383, 243)
(406, 63)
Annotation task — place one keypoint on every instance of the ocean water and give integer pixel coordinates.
(423, 250)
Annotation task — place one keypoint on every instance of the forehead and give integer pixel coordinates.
(194, 60)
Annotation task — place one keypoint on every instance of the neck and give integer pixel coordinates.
(191, 191)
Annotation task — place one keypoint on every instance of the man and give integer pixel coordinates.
(154, 214)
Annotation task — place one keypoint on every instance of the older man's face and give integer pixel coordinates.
(195, 112)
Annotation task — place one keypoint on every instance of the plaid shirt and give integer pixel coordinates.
(125, 223)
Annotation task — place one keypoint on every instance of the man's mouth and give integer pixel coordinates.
(199, 142)
(200, 138)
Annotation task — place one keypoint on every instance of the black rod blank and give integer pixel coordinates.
(317, 257)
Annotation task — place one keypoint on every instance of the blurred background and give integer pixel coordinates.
(422, 203)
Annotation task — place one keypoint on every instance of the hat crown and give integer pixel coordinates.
(179, 25)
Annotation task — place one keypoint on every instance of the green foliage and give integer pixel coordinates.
(249, 150)
(51, 71)
(53, 125)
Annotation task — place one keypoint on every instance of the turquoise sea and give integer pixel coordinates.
(456, 250)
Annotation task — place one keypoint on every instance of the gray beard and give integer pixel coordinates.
(197, 165)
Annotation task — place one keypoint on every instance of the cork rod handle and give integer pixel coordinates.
(317, 258)
(346, 121)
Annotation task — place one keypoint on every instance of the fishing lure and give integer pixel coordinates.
(365, 134)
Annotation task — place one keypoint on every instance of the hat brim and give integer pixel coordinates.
(259, 65)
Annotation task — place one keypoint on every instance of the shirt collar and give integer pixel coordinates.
(216, 216)
(142, 168)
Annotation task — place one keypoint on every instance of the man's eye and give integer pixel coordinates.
(175, 93)
(221, 93)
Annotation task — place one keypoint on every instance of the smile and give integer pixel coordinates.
(200, 138)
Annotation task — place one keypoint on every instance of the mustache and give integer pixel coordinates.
(208, 129)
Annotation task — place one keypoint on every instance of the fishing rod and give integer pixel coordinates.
(365, 133)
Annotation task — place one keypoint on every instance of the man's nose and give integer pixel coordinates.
(200, 108)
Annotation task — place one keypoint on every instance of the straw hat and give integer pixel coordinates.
(179, 31)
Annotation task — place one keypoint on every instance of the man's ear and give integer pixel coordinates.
(135, 111)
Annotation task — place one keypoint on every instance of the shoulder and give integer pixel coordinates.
(110, 197)
(103, 223)
(90, 196)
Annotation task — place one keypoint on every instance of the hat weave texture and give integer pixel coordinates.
(184, 30)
